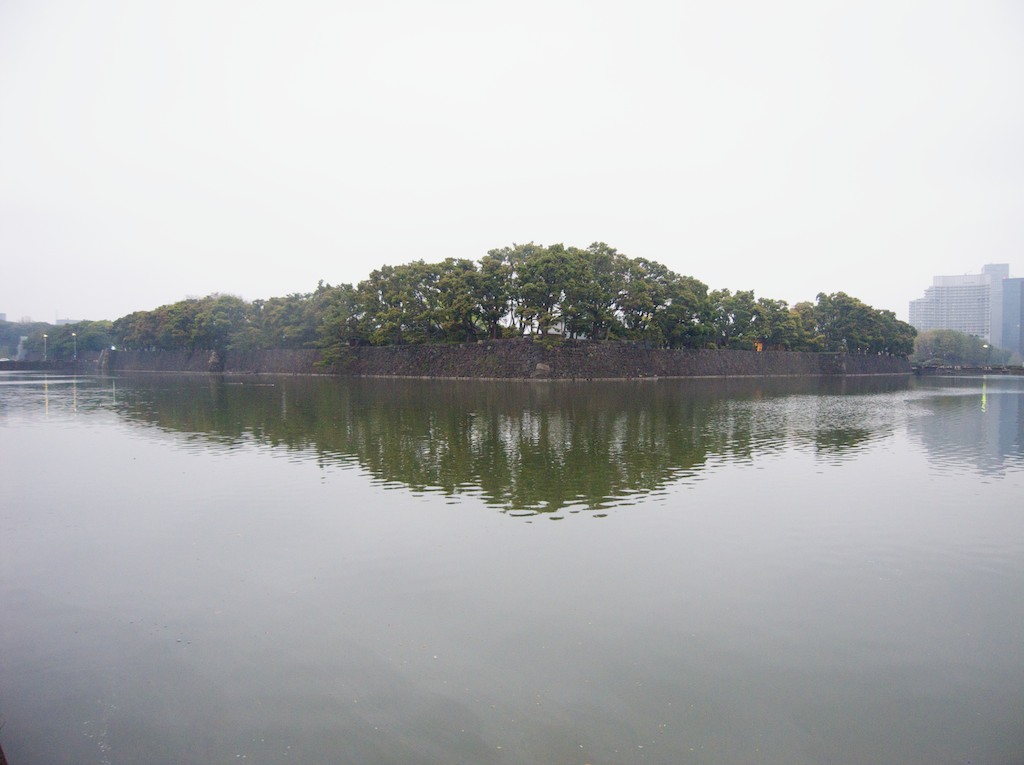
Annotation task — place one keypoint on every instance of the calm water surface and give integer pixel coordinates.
(197, 570)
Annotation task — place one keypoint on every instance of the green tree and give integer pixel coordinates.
(341, 322)
(947, 347)
(12, 332)
(401, 304)
(894, 337)
(217, 319)
(543, 277)
(775, 326)
(682, 319)
(592, 292)
(806, 337)
(494, 290)
(176, 325)
(845, 323)
(644, 293)
(65, 340)
(733, 316)
(281, 322)
(458, 287)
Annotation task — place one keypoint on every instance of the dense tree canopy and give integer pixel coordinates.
(844, 324)
(62, 340)
(552, 292)
(12, 332)
(947, 347)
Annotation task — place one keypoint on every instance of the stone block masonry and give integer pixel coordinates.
(519, 359)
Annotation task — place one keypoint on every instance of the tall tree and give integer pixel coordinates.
(458, 287)
(775, 327)
(733, 316)
(544, 276)
(593, 291)
(216, 320)
(683, 318)
(494, 290)
(644, 293)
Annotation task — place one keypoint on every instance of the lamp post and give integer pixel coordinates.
(74, 340)
(44, 346)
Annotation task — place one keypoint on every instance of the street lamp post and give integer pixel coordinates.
(74, 339)
(44, 346)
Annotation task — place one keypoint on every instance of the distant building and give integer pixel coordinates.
(1013, 315)
(3, 317)
(972, 303)
(61, 322)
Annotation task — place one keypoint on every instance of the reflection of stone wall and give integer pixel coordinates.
(519, 359)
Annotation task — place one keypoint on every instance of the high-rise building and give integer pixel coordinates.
(1013, 316)
(998, 273)
(972, 303)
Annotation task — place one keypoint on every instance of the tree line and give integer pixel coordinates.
(947, 347)
(549, 292)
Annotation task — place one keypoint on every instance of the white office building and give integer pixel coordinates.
(972, 303)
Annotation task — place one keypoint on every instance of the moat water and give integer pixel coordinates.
(205, 570)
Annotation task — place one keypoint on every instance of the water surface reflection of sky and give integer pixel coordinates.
(785, 572)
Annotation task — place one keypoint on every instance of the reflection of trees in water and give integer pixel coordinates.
(842, 440)
(519, 446)
(834, 419)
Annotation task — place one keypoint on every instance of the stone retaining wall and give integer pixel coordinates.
(513, 359)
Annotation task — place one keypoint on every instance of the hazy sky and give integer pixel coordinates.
(154, 150)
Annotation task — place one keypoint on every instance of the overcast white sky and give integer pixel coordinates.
(154, 150)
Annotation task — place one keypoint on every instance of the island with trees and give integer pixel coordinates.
(553, 295)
